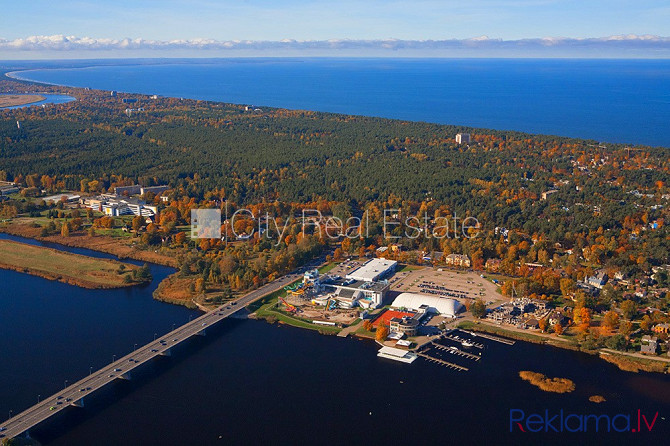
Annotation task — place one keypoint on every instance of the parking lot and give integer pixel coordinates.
(465, 286)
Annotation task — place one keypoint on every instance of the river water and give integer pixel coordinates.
(48, 99)
(248, 382)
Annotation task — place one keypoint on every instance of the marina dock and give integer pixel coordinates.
(459, 339)
(456, 351)
(494, 338)
(443, 363)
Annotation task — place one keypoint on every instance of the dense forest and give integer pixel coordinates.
(609, 198)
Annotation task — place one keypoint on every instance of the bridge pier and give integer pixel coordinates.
(202, 332)
(125, 376)
(167, 352)
(78, 403)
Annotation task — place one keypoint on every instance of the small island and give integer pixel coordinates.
(74, 269)
(556, 385)
(13, 100)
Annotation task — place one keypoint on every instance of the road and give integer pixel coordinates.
(120, 369)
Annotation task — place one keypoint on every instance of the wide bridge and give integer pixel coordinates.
(121, 368)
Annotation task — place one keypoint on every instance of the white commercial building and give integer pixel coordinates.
(373, 270)
(442, 305)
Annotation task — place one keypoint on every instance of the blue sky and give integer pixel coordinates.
(266, 20)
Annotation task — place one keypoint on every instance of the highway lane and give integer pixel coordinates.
(121, 368)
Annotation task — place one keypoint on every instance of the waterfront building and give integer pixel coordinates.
(649, 345)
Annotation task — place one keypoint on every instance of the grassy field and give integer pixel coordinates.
(11, 100)
(324, 269)
(87, 272)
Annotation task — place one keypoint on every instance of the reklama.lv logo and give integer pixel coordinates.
(573, 422)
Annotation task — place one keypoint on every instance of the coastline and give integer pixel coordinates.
(78, 241)
(15, 76)
(623, 360)
(470, 123)
(68, 280)
(104, 273)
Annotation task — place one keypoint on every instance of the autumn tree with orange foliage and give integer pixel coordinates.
(382, 332)
(611, 320)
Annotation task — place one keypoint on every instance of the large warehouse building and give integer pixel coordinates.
(373, 270)
(441, 305)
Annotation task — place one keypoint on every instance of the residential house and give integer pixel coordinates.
(649, 345)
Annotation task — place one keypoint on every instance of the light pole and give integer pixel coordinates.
(10, 414)
(113, 358)
(135, 347)
(65, 386)
(90, 371)
(155, 334)
(173, 326)
(38, 398)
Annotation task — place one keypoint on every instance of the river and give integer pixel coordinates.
(248, 382)
(48, 99)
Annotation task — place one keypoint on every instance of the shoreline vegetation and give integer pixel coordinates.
(621, 360)
(14, 100)
(73, 269)
(101, 243)
(555, 385)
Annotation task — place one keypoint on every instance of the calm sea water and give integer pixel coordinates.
(248, 382)
(626, 101)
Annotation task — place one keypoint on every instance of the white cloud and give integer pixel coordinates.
(61, 43)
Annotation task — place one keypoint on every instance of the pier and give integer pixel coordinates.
(494, 338)
(456, 351)
(458, 339)
(441, 362)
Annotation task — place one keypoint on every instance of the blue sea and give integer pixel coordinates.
(624, 101)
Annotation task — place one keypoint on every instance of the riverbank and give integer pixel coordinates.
(628, 362)
(101, 243)
(15, 100)
(73, 269)
(268, 309)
